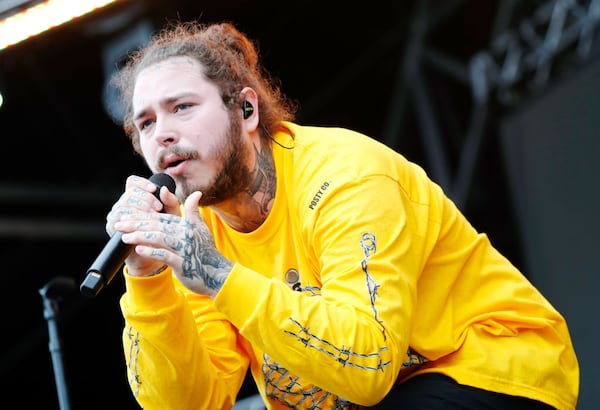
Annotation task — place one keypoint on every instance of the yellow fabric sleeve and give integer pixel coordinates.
(180, 352)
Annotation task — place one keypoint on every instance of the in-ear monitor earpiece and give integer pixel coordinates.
(247, 109)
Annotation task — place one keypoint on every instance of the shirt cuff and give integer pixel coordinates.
(242, 294)
(150, 292)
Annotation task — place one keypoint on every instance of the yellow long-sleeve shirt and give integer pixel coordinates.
(363, 274)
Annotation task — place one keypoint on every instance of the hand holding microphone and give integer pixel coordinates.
(113, 255)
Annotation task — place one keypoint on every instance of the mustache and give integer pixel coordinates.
(181, 153)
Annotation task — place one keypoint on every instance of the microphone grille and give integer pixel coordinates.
(162, 179)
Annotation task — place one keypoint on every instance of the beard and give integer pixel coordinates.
(233, 176)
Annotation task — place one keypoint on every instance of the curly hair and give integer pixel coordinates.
(227, 57)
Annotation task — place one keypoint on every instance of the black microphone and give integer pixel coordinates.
(112, 257)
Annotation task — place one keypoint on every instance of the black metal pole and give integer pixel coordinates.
(51, 294)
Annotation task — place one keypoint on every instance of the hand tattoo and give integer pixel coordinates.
(201, 259)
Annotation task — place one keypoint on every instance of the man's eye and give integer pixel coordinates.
(145, 124)
(182, 107)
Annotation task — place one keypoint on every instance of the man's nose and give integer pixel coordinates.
(164, 132)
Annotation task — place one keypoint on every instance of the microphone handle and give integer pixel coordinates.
(105, 267)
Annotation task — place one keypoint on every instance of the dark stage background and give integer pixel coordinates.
(498, 100)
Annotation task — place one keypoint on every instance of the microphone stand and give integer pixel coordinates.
(51, 294)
